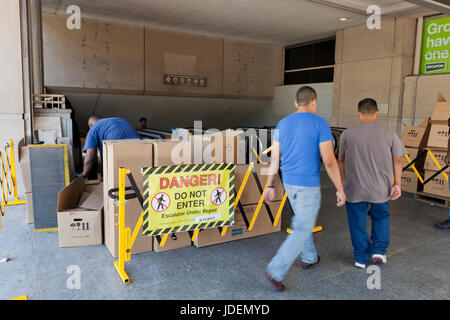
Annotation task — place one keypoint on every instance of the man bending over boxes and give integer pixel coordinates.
(301, 138)
(100, 130)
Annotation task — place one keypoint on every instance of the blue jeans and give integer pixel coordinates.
(363, 247)
(305, 202)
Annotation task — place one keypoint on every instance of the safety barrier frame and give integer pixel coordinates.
(127, 239)
(8, 179)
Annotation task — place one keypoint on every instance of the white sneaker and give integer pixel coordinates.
(379, 258)
(360, 265)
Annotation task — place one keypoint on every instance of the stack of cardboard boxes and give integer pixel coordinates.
(432, 134)
(438, 144)
(414, 139)
(136, 154)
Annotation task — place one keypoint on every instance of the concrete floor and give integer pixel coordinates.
(418, 263)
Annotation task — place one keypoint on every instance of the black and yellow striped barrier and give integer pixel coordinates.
(8, 179)
(424, 153)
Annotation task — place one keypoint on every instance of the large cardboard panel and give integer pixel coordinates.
(438, 136)
(101, 55)
(409, 181)
(401, 67)
(262, 226)
(438, 186)
(428, 88)
(133, 155)
(168, 52)
(439, 155)
(251, 69)
(174, 241)
(29, 207)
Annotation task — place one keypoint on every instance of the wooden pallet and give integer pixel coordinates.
(49, 101)
(433, 199)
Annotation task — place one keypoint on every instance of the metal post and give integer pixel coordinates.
(124, 233)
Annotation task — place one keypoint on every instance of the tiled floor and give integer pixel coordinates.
(418, 263)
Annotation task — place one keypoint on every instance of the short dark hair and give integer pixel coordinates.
(305, 95)
(143, 119)
(367, 105)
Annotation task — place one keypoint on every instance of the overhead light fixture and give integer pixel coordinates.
(343, 19)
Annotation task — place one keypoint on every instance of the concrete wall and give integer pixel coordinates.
(373, 63)
(11, 89)
(104, 57)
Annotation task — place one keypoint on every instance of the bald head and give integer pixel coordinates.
(92, 120)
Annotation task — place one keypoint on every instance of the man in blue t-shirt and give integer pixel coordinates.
(300, 139)
(100, 130)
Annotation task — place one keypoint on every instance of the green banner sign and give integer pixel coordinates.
(435, 56)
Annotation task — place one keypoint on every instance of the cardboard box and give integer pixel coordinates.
(174, 241)
(439, 154)
(409, 181)
(441, 111)
(438, 186)
(225, 146)
(133, 155)
(251, 193)
(262, 226)
(80, 226)
(412, 154)
(29, 207)
(416, 137)
(438, 136)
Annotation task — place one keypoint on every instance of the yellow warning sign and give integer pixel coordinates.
(188, 197)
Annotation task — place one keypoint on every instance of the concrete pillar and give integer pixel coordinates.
(11, 78)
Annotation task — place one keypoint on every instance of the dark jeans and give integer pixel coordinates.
(363, 247)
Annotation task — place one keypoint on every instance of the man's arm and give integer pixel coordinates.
(341, 164)
(397, 187)
(89, 161)
(269, 195)
(330, 163)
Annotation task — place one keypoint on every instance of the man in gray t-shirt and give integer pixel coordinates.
(370, 159)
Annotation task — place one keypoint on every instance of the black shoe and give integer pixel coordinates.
(443, 225)
(307, 266)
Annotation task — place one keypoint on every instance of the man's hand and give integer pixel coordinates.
(341, 198)
(269, 195)
(396, 192)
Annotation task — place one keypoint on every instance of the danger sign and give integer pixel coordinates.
(218, 196)
(187, 197)
(160, 202)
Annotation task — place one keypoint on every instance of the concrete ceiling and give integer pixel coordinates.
(281, 22)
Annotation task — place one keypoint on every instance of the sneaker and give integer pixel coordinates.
(443, 225)
(379, 258)
(360, 265)
(307, 266)
(276, 284)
